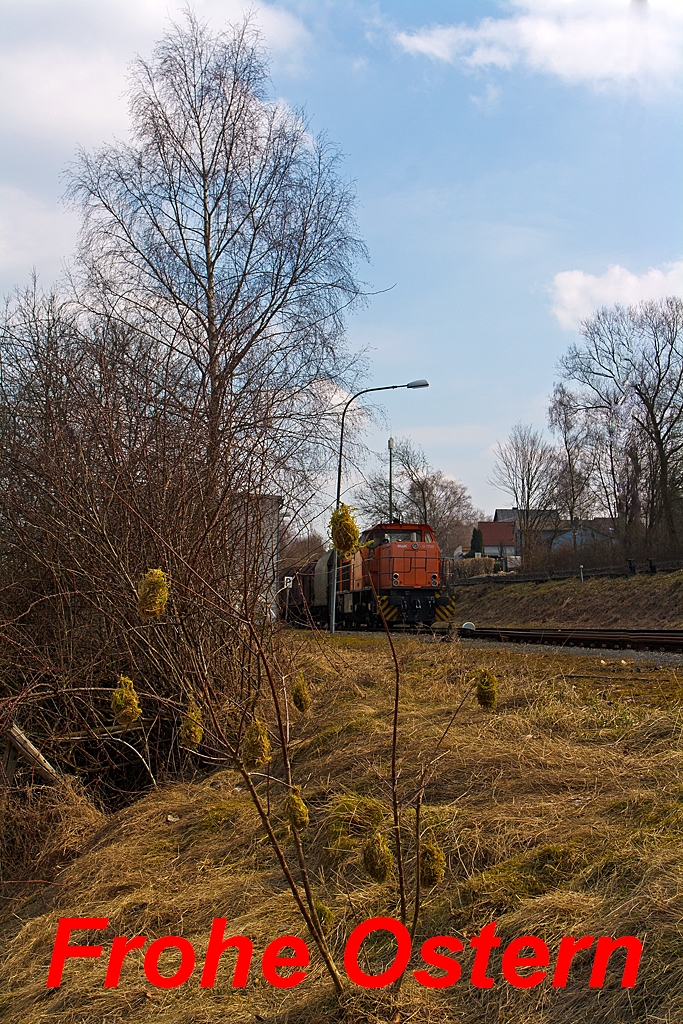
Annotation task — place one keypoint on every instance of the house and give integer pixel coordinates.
(544, 524)
(555, 532)
(499, 538)
(588, 531)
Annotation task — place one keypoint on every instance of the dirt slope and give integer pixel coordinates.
(624, 602)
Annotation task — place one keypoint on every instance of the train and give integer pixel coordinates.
(395, 577)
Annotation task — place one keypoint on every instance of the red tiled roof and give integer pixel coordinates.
(498, 533)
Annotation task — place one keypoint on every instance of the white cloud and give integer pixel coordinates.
(50, 92)
(33, 233)
(489, 101)
(578, 295)
(132, 22)
(603, 43)
(63, 65)
(63, 76)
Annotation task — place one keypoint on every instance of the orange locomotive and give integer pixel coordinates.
(396, 573)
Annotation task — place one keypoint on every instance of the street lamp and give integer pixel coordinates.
(390, 387)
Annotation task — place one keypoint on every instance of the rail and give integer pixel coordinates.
(634, 639)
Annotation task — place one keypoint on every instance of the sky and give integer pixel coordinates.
(517, 164)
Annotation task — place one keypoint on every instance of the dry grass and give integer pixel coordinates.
(465, 567)
(561, 812)
(44, 829)
(629, 602)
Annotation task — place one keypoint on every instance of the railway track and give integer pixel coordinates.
(625, 639)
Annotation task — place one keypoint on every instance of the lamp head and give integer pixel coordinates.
(418, 384)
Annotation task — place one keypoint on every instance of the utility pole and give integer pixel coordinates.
(391, 479)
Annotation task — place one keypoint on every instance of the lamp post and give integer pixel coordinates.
(391, 479)
(366, 391)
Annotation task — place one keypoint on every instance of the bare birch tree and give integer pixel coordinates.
(573, 495)
(224, 231)
(526, 469)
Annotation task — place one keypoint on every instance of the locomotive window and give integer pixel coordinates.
(428, 538)
(402, 536)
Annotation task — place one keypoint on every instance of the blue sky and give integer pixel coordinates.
(517, 165)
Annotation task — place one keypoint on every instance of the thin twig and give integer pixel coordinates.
(395, 806)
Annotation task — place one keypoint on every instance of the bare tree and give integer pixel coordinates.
(525, 468)
(633, 358)
(159, 421)
(223, 231)
(573, 494)
(421, 494)
(619, 477)
(297, 548)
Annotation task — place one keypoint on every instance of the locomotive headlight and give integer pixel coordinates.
(394, 580)
(435, 580)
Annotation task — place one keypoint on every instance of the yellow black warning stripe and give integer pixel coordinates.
(390, 611)
(446, 611)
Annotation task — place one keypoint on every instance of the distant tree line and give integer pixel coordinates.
(616, 417)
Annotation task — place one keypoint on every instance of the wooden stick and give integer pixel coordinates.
(95, 734)
(30, 753)
(9, 762)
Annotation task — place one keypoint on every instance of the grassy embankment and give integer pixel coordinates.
(560, 813)
(624, 602)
